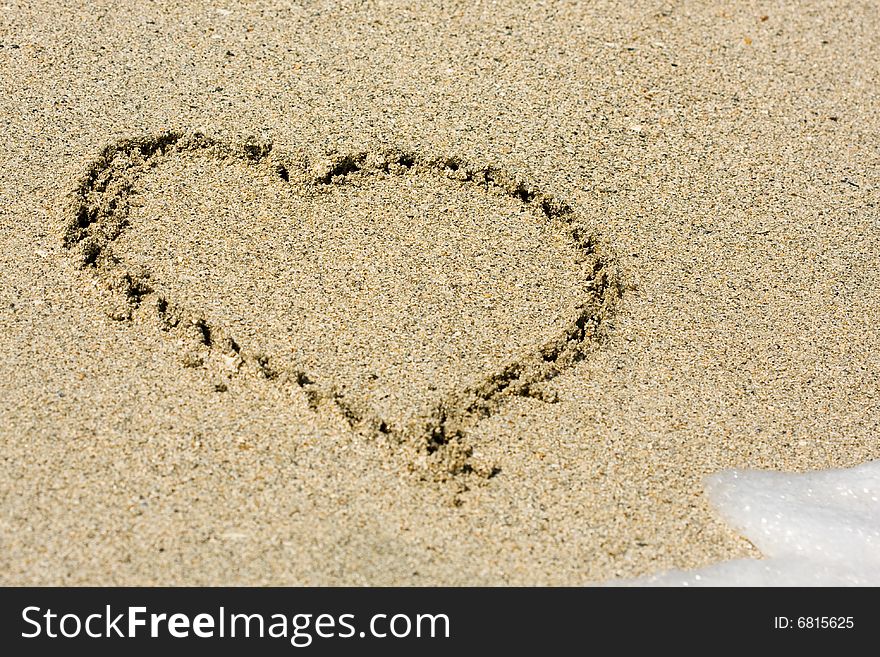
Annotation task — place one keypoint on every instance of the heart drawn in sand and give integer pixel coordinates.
(413, 294)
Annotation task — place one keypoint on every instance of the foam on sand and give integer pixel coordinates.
(816, 529)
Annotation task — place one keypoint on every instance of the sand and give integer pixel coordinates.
(441, 293)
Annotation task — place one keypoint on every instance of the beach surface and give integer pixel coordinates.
(460, 293)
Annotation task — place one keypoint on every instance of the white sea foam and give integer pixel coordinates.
(814, 529)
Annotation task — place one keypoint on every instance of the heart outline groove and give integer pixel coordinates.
(96, 211)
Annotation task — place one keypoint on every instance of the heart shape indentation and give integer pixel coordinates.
(412, 293)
